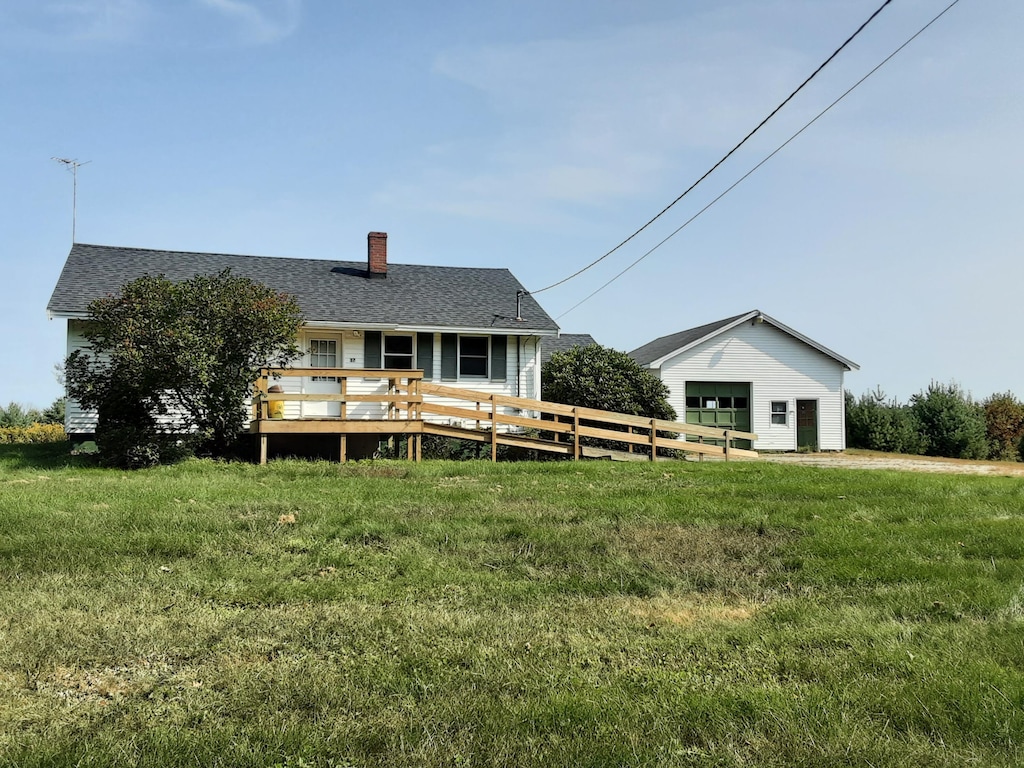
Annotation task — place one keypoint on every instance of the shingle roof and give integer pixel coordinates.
(327, 291)
(564, 343)
(655, 351)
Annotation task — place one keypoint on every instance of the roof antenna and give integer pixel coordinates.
(73, 166)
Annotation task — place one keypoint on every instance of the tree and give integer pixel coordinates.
(1004, 425)
(54, 413)
(171, 361)
(878, 423)
(951, 423)
(17, 415)
(603, 378)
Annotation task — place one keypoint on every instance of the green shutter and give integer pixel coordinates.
(371, 349)
(425, 354)
(499, 358)
(449, 357)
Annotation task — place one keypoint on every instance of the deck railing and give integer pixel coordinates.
(414, 407)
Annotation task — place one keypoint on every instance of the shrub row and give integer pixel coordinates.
(34, 433)
(942, 420)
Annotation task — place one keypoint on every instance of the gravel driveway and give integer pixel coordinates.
(908, 463)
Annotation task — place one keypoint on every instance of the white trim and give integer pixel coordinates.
(757, 315)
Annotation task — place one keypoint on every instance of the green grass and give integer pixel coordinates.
(469, 614)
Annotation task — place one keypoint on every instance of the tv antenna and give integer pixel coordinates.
(73, 166)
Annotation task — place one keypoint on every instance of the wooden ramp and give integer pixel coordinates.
(413, 408)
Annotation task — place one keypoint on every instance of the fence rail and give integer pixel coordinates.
(414, 407)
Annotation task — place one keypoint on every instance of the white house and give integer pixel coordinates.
(755, 374)
(468, 327)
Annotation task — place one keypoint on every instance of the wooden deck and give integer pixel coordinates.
(401, 404)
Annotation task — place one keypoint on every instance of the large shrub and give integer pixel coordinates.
(877, 423)
(170, 364)
(951, 423)
(608, 380)
(1004, 426)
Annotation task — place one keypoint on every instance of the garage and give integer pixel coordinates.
(722, 404)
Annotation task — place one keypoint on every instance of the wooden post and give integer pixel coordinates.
(556, 433)
(263, 448)
(575, 435)
(629, 430)
(654, 439)
(419, 448)
(728, 444)
(700, 439)
(343, 455)
(344, 400)
(494, 430)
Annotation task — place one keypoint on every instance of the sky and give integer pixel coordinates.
(537, 135)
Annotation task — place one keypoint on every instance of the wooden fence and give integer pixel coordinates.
(412, 407)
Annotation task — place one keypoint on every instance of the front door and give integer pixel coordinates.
(322, 353)
(807, 425)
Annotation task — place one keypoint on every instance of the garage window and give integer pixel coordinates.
(780, 412)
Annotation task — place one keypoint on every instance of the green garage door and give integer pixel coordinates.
(722, 404)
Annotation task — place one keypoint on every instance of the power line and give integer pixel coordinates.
(729, 154)
(768, 157)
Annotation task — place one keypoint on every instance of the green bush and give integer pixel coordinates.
(877, 423)
(17, 415)
(951, 423)
(1004, 424)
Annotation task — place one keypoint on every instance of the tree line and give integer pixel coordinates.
(942, 420)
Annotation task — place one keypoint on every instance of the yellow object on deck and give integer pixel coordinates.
(275, 408)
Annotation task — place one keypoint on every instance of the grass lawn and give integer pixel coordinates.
(468, 614)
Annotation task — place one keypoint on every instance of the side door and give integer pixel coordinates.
(807, 425)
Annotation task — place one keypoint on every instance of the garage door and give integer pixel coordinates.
(721, 404)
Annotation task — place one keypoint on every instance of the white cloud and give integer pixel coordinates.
(50, 22)
(260, 21)
(599, 119)
(58, 23)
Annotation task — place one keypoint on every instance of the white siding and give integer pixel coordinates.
(350, 348)
(77, 420)
(778, 368)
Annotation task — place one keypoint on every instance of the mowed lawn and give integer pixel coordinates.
(532, 614)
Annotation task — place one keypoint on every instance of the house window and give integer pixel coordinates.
(473, 352)
(780, 412)
(398, 352)
(323, 353)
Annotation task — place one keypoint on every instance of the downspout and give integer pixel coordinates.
(519, 373)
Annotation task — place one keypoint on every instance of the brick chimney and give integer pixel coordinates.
(377, 254)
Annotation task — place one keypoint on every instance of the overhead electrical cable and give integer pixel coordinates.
(729, 154)
(768, 157)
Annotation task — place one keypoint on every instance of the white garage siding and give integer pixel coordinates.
(779, 368)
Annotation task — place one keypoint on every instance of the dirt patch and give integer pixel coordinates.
(905, 463)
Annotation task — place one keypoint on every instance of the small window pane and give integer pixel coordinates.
(725, 402)
(693, 401)
(398, 352)
(710, 402)
(323, 353)
(473, 352)
(779, 412)
(739, 402)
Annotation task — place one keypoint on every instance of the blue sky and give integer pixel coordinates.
(536, 135)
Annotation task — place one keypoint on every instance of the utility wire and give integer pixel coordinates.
(778, 149)
(726, 157)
